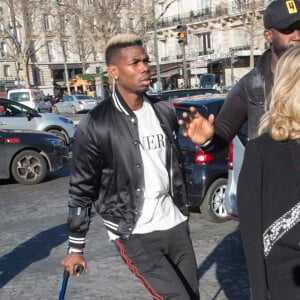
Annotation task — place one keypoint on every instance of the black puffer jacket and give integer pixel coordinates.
(247, 100)
(108, 168)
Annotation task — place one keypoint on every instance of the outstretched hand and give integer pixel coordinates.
(197, 128)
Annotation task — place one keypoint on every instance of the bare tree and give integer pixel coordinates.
(22, 34)
(251, 12)
(80, 43)
(102, 19)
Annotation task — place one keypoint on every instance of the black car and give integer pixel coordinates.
(206, 173)
(26, 156)
(173, 94)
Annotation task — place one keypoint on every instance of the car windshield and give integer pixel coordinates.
(83, 97)
(19, 96)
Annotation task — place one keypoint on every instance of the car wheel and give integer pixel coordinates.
(29, 167)
(213, 205)
(73, 109)
(59, 134)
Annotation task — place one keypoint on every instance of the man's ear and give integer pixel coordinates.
(268, 36)
(113, 71)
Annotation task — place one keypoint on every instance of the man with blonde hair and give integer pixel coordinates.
(126, 163)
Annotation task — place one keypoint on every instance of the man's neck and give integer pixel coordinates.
(274, 61)
(133, 100)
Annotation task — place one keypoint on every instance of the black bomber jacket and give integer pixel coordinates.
(107, 169)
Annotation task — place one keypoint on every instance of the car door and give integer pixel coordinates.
(64, 105)
(43, 104)
(2, 156)
(14, 116)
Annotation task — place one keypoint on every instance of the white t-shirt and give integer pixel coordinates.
(159, 211)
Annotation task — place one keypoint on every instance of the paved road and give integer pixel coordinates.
(34, 239)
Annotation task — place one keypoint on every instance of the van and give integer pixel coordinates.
(33, 98)
(235, 160)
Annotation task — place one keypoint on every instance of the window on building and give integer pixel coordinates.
(65, 46)
(50, 50)
(163, 50)
(62, 22)
(203, 5)
(240, 5)
(6, 71)
(240, 38)
(36, 76)
(46, 22)
(204, 43)
(131, 23)
(78, 22)
(3, 49)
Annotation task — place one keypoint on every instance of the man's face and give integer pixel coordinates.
(280, 40)
(132, 70)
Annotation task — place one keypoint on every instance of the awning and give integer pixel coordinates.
(167, 73)
(61, 66)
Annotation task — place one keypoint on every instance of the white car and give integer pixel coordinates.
(235, 161)
(14, 115)
(33, 98)
(74, 104)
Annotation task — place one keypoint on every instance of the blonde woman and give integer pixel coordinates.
(269, 190)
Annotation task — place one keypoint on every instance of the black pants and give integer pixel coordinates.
(164, 262)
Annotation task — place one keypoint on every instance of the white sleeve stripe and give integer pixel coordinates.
(111, 225)
(76, 241)
(75, 238)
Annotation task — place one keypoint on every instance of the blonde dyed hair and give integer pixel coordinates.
(282, 120)
(118, 42)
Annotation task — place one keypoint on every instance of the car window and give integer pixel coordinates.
(83, 97)
(67, 99)
(203, 110)
(10, 110)
(19, 96)
(37, 95)
(214, 108)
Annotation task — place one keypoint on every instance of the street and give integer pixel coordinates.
(34, 240)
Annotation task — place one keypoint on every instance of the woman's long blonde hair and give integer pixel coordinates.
(282, 120)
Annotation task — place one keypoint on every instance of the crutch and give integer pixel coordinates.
(66, 275)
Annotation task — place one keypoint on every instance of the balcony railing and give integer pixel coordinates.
(232, 8)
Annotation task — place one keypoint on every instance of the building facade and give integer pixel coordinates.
(224, 38)
(46, 43)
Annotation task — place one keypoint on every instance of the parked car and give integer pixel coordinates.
(14, 115)
(173, 94)
(235, 161)
(206, 173)
(74, 104)
(33, 98)
(27, 156)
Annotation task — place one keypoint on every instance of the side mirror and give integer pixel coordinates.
(29, 115)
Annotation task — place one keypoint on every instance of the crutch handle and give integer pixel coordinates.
(78, 268)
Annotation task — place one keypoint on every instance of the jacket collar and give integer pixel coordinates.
(264, 64)
(120, 103)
